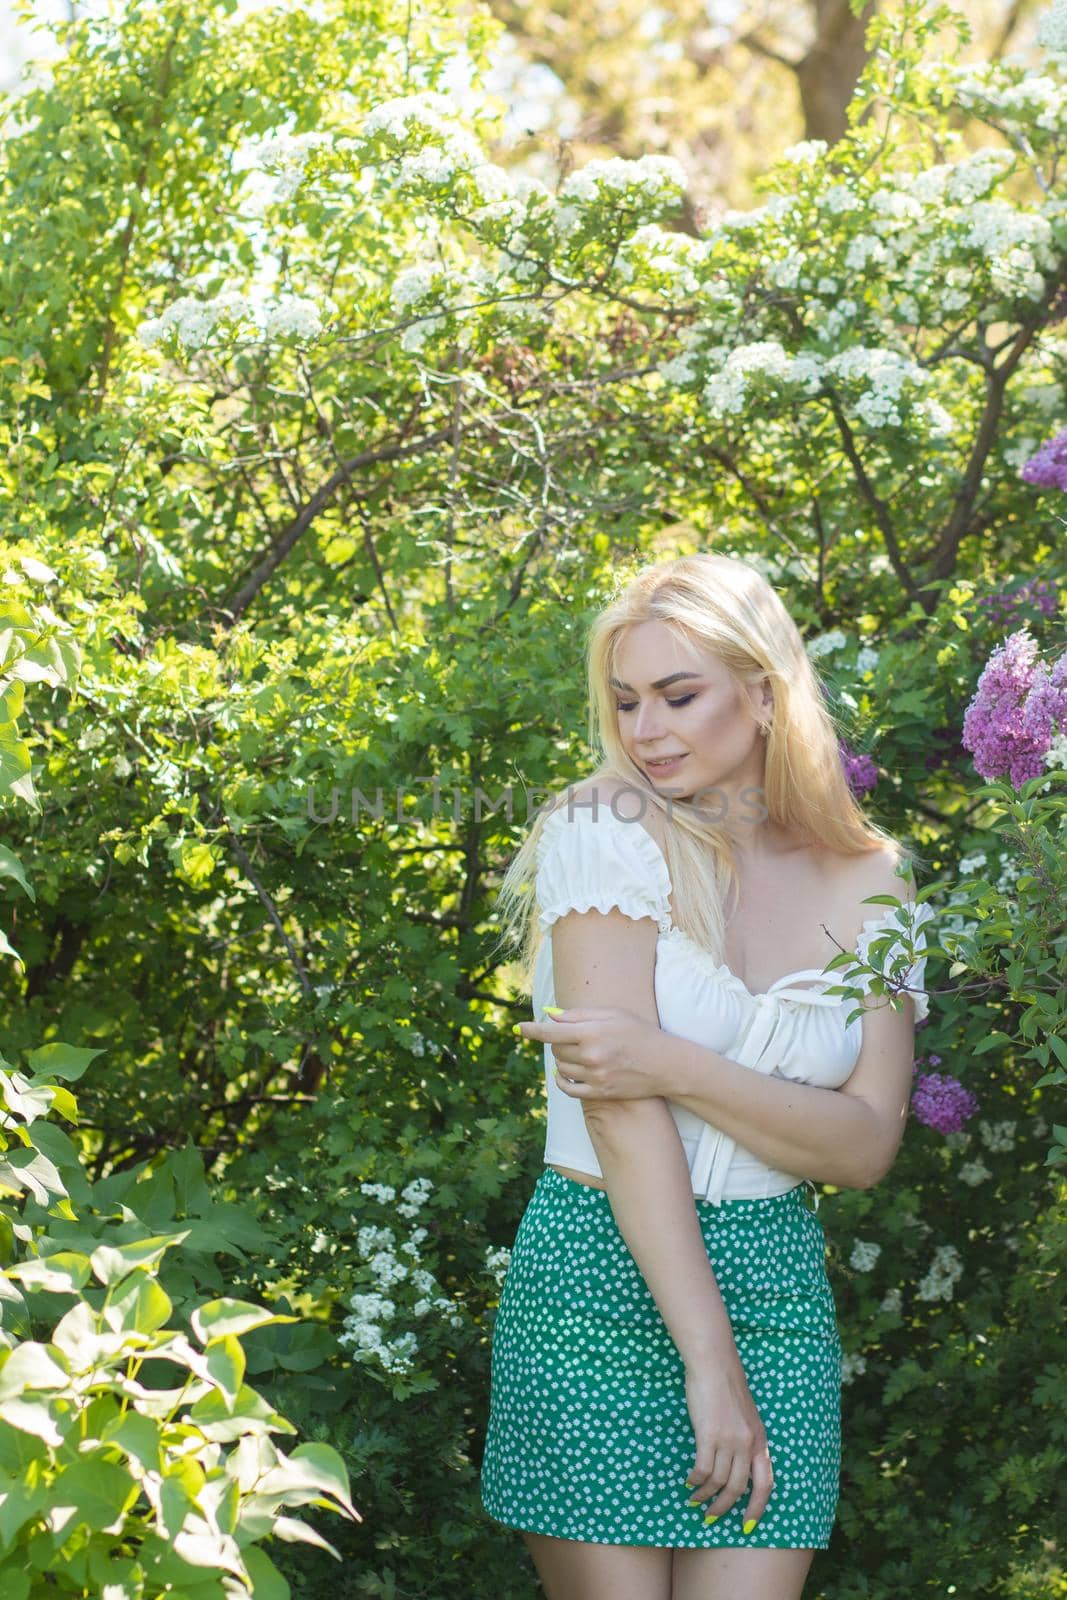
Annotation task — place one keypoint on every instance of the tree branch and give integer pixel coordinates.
(236, 607)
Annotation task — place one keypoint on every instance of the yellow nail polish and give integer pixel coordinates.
(692, 1502)
(517, 1028)
(711, 1517)
(749, 1525)
(553, 1011)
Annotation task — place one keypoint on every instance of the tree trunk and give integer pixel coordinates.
(829, 72)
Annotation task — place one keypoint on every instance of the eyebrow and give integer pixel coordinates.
(660, 683)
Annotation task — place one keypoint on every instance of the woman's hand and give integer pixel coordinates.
(602, 1054)
(731, 1442)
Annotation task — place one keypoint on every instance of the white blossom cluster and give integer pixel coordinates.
(412, 285)
(886, 376)
(505, 196)
(997, 1136)
(1017, 245)
(652, 178)
(1052, 29)
(1056, 754)
(995, 92)
(923, 232)
(973, 1173)
(193, 321)
(945, 1272)
(885, 373)
(654, 174)
(425, 112)
(497, 1262)
(727, 389)
(679, 368)
(826, 644)
(362, 1330)
(285, 156)
(291, 315)
(446, 150)
(864, 1255)
(852, 1364)
(662, 253)
(807, 153)
(891, 1302)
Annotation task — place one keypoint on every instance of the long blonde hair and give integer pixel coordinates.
(722, 606)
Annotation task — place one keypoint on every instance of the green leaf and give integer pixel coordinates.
(139, 1436)
(65, 1270)
(993, 1041)
(226, 1364)
(32, 1416)
(217, 1319)
(111, 1263)
(297, 1532)
(267, 1581)
(26, 1100)
(100, 1490)
(140, 1304)
(311, 1467)
(32, 1170)
(21, 1500)
(251, 1414)
(57, 1060)
(11, 867)
(32, 1366)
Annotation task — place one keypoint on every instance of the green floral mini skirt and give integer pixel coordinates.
(589, 1435)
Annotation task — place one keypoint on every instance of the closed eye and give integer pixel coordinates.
(684, 701)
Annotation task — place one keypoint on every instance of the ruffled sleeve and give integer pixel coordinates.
(891, 960)
(594, 865)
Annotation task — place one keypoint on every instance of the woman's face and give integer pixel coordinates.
(701, 716)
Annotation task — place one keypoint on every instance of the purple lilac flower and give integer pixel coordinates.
(1003, 605)
(993, 729)
(861, 773)
(1045, 711)
(942, 1103)
(1048, 468)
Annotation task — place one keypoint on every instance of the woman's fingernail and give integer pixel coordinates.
(713, 1516)
(692, 1502)
(553, 1011)
(517, 1028)
(748, 1526)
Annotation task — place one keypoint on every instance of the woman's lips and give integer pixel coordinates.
(664, 766)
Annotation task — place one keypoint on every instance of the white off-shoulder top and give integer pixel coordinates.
(793, 1029)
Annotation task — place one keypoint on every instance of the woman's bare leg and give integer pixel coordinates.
(739, 1574)
(571, 1569)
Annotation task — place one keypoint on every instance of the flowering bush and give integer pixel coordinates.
(1016, 725)
(396, 418)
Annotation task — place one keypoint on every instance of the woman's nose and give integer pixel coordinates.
(648, 724)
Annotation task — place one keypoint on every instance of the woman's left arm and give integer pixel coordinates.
(848, 1137)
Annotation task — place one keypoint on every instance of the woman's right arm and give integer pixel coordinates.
(608, 959)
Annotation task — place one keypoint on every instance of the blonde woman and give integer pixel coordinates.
(665, 1395)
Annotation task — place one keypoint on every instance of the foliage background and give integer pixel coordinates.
(297, 565)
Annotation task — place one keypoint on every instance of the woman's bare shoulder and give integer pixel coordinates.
(872, 871)
(625, 801)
